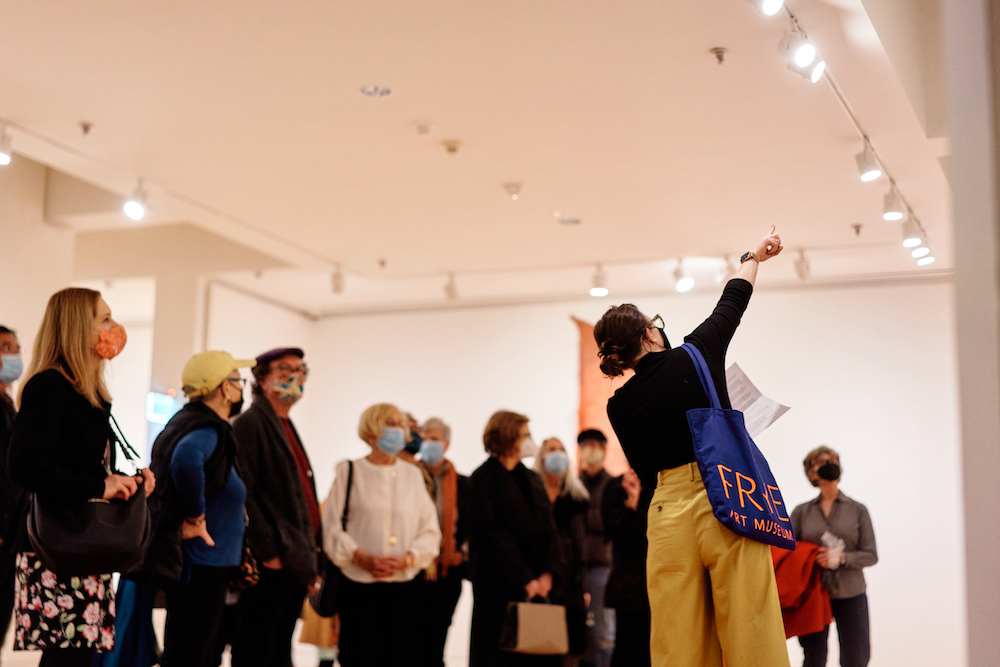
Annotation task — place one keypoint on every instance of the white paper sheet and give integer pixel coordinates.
(758, 410)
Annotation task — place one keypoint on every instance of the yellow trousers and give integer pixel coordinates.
(711, 592)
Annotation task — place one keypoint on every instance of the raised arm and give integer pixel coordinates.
(768, 247)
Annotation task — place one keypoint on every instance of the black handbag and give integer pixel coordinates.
(326, 601)
(94, 536)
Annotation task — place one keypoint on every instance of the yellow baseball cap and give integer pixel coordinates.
(207, 370)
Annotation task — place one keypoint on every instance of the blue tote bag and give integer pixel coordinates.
(741, 488)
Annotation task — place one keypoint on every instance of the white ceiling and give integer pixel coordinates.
(246, 119)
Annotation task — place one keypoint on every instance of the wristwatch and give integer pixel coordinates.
(748, 256)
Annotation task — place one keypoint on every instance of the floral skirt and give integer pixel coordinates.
(70, 612)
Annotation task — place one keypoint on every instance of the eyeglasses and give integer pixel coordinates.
(655, 323)
(238, 382)
(285, 369)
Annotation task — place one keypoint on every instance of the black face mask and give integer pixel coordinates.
(413, 446)
(829, 471)
(236, 408)
(666, 343)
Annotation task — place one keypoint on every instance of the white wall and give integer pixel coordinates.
(869, 371)
(37, 258)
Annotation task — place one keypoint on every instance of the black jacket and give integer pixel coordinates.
(513, 541)
(626, 528)
(570, 517)
(164, 557)
(59, 441)
(280, 524)
(10, 491)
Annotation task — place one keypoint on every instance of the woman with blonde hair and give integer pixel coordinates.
(386, 538)
(62, 449)
(570, 502)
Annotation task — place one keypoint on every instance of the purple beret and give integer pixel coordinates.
(278, 353)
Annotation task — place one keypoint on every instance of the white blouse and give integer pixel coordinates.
(391, 514)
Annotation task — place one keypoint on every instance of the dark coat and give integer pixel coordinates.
(10, 491)
(570, 517)
(280, 524)
(57, 449)
(626, 528)
(513, 542)
(165, 558)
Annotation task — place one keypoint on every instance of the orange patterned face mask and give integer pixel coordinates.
(111, 343)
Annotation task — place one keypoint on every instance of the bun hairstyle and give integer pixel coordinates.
(619, 335)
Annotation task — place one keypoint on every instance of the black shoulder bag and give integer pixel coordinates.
(326, 601)
(93, 536)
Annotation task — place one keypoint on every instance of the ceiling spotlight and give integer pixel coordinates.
(912, 236)
(797, 49)
(375, 91)
(767, 7)
(921, 252)
(513, 190)
(813, 71)
(924, 261)
(683, 283)
(135, 207)
(337, 280)
(868, 166)
(5, 145)
(802, 268)
(450, 288)
(600, 287)
(892, 205)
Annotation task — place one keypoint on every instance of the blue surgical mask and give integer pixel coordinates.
(11, 367)
(431, 452)
(556, 463)
(393, 440)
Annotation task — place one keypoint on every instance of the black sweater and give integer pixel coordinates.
(649, 412)
(59, 440)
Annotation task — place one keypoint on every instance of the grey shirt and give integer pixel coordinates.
(849, 521)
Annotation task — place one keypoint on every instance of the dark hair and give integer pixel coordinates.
(591, 434)
(502, 432)
(5, 330)
(263, 367)
(619, 335)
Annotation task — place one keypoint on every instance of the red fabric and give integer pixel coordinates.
(305, 475)
(805, 604)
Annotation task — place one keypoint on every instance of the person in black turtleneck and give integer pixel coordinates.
(12, 498)
(712, 593)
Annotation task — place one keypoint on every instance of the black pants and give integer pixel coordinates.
(853, 632)
(632, 639)
(436, 602)
(67, 657)
(268, 612)
(376, 624)
(194, 614)
(6, 593)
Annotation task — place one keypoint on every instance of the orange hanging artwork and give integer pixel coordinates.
(595, 390)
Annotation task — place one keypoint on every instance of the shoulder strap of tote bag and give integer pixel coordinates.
(118, 437)
(347, 498)
(704, 374)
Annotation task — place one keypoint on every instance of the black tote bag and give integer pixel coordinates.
(326, 601)
(94, 536)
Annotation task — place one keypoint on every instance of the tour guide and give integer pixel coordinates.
(712, 594)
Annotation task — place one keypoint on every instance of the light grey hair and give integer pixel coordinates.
(571, 484)
(438, 423)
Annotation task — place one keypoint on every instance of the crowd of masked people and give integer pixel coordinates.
(239, 540)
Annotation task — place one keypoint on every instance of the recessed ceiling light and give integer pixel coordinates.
(376, 91)
(569, 221)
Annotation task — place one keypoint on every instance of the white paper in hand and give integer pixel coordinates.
(758, 410)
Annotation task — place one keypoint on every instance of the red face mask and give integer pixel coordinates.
(111, 343)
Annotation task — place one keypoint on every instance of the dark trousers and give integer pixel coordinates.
(6, 593)
(632, 640)
(436, 601)
(194, 614)
(853, 632)
(376, 623)
(268, 612)
(67, 657)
